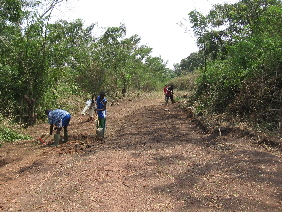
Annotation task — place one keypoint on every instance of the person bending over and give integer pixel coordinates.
(61, 119)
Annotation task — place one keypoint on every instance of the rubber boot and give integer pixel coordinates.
(56, 139)
(66, 137)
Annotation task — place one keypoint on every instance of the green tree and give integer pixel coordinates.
(187, 65)
(42, 62)
(240, 42)
(125, 62)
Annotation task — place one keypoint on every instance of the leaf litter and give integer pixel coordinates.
(153, 158)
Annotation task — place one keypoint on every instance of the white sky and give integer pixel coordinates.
(155, 21)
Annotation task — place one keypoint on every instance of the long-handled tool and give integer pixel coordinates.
(41, 138)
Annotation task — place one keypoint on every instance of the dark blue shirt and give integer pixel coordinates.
(100, 105)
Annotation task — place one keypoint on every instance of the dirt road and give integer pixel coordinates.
(154, 158)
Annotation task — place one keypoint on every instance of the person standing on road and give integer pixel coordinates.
(61, 119)
(171, 93)
(101, 111)
(165, 90)
(86, 108)
(167, 95)
(89, 108)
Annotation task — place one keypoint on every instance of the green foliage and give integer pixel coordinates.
(194, 61)
(10, 11)
(7, 134)
(185, 83)
(123, 64)
(43, 65)
(241, 43)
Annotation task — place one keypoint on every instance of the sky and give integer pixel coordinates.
(155, 21)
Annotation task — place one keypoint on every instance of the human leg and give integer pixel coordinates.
(102, 124)
(104, 127)
(91, 113)
(171, 98)
(57, 136)
(65, 122)
(66, 134)
(166, 100)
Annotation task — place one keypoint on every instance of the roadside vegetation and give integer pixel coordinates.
(59, 65)
(238, 66)
(235, 77)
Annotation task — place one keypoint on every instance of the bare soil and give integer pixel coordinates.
(153, 158)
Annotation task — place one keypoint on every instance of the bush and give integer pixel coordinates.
(7, 134)
(186, 82)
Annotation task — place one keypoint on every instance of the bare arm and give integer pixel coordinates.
(51, 129)
(104, 108)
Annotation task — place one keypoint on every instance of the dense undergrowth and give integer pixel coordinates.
(10, 131)
(239, 80)
(255, 107)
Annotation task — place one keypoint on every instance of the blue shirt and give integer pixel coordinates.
(100, 105)
(55, 117)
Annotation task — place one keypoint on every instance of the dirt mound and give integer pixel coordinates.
(154, 158)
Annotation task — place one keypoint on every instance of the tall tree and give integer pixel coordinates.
(240, 41)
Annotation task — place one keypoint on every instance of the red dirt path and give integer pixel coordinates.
(154, 158)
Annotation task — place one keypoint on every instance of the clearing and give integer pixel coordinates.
(154, 158)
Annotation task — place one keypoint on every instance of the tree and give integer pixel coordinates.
(194, 61)
(125, 62)
(33, 58)
(241, 42)
(42, 62)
